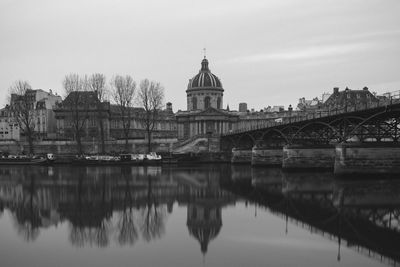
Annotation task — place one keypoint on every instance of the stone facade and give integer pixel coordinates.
(91, 112)
(41, 105)
(9, 128)
(204, 115)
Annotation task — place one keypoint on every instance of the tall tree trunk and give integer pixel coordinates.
(79, 142)
(126, 132)
(103, 146)
(30, 142)
(148, 140)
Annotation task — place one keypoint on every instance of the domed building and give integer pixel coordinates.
(205, 114)
(204, 90)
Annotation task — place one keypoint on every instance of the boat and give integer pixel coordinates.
(22, 160)
(96, 160)
(152, 159)
(123, 159)
(131, 159)
(50, 158)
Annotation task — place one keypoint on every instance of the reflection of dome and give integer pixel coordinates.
(204, 79)
(204, 223)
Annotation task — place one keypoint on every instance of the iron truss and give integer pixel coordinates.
(379, 124)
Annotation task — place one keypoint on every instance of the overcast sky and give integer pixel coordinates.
(264, 52)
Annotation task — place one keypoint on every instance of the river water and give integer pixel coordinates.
(203, 215)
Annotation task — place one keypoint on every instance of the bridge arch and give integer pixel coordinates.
(246, 140)
(277, 131)
(327, 125)
(362, 123)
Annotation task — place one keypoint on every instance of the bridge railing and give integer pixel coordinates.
(384, 100)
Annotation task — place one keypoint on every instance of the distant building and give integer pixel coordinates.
(242, 107)
(305, 105)
(165, 126)
(276, 109)
(9, 128)
(81, 109)
(110, 115)
(350, 99)
(325, 97)
(41, 104)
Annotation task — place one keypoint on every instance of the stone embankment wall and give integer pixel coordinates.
(264, 156)
(241, 156)
(345, 158)
(367, 158)
(70, 147)
(303, 157)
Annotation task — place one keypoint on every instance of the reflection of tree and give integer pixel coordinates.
(127, 229)
(153, 216)
(1, 208)
(27, 215)
(127, 232)
(90, 217)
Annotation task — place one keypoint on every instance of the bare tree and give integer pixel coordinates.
(77, 105)
(23, 110)
(97, 83)
(150, 97)
(123, 91)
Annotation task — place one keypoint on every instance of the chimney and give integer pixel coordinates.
(169, 107)
(335, 90)
(365, 88)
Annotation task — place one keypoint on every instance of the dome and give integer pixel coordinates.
(205, 79)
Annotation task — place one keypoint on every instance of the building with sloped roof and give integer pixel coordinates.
(41, 105)
(350, 99)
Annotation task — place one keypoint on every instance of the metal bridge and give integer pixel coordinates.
(375, 122)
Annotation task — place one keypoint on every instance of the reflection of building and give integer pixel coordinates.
(204, 218)
(88, 199)
(204, 222)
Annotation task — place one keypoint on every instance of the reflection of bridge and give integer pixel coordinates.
(308, 141)
(365, 215)
(88, 199)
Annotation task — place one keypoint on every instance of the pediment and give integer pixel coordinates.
(212, 112)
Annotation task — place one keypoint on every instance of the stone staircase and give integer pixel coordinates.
(197, 143)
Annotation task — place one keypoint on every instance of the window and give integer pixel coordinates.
(194, 103)
(207, 102)
(219, 103)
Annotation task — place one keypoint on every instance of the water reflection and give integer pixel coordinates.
(124, 205)
(105, 204)
(363, 213)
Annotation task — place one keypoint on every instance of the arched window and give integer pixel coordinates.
(194, 103)
(219, 103)
(207, 102)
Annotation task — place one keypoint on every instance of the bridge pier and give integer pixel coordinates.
(266, 156)
(241, 156)
(308, 157)
(367, 158)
